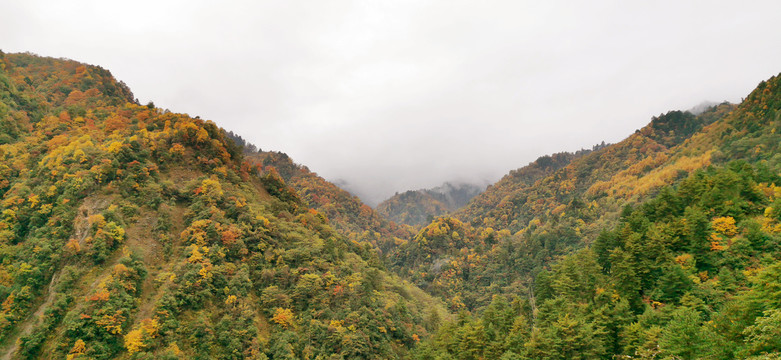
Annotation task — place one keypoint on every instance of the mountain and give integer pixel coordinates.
(502, 196)
(344, 211)
(419, 207)
(702, 107)
(665, 245)
(127, 231)
(549, 208)
(548, 185)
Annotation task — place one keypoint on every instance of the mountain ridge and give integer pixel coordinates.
(417, 207)
(142, 233)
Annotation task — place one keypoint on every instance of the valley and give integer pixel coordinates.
(132, 232)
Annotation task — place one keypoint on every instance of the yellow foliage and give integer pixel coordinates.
(206, 271)
(5, 278)
(263, 221)
(174, 349)
(685, 260)
(202, 135)
(283, 317)
(635, 181)
(222, 170)
(196, 232)
(34, 201)
(771, 191)
(112, 323)
(725, 225)
(115, 231)
(97, 220)
(78, 348)
(114, 147)
(8, 303)
(134, 341)
(150, 327)
(211, 188)
(195, 256)
(240, 202)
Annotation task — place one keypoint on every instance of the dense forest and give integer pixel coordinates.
(345, 212)
(132, 232)
(665, 245)
(129, 231)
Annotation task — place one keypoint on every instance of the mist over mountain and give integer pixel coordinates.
(702, 107)
(393, 96)
(142, 233)
(405, 180)
(419, 207)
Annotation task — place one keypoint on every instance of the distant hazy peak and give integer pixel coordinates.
(418, 207)
(703, 107)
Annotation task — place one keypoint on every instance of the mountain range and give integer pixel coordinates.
(129, 231)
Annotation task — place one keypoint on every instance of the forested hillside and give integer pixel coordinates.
(127, 231)
(551, 207)
(420, 207)
(345, 212)
(550, 183)
(691, 274)
(686, 268)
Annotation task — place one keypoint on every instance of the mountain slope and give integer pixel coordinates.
(520, 228)
(418, 207)
(517, 199)
(500, 197)
(345, 212)
(140, 233)
(688, 268)
(692, 274)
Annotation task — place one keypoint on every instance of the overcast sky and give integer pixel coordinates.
(398, 95)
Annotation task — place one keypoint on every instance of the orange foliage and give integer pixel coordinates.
(100, 295)
(229, 236)
(116, 122)
(283, 317)
(73, 246)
